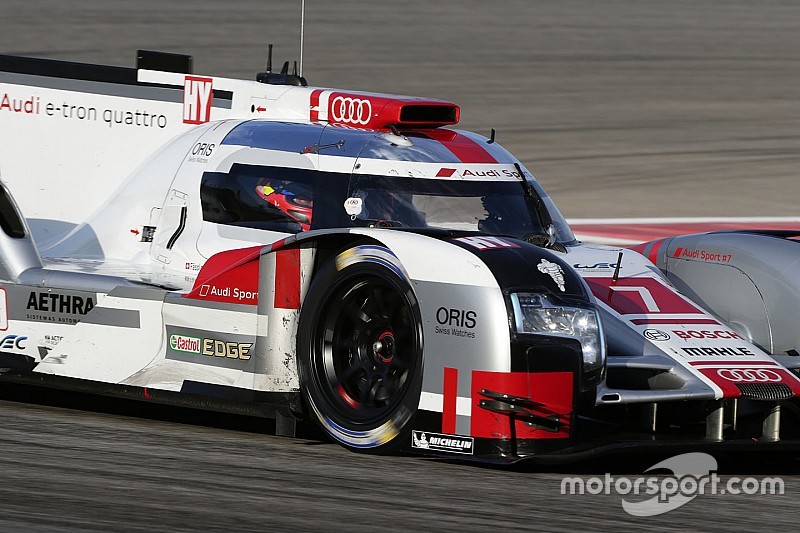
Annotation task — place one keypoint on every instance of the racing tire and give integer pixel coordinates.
(360, 350)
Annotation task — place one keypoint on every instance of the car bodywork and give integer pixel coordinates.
(249, 261)
(747, 277)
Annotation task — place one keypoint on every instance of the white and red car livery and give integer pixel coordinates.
(341, 256)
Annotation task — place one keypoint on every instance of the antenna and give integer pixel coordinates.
(281, 78)
(302, 30)
(615, 277)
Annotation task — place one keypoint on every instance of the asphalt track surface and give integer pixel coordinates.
(621, 108)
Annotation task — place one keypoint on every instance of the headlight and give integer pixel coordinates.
(536, 314)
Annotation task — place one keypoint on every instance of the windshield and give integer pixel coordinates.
(496, 207)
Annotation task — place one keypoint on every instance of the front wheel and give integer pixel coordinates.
(360, 349)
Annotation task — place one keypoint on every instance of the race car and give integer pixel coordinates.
(348, 258)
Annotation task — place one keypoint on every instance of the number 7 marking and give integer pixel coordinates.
(647, 298)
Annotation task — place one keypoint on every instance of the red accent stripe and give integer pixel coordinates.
(639, 321)
(287, 279)
(729, 389)
(231, 268)
(450, 388)
(277, 245)
(630, 297)
(314, 106)
(678, 251)
(552, 391)
(464, 148)
(445, 172)
(653, 255)
(734, 363)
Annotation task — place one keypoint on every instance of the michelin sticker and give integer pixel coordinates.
(442, 443)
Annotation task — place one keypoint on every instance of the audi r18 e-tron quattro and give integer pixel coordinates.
(349, 258)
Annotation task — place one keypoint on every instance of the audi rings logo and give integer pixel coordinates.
(351, 110)
(656, 335)
(741, 375)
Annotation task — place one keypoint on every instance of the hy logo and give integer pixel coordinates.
(197, 96)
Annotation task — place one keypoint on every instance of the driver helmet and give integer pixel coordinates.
(294, 199)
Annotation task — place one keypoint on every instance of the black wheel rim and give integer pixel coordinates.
(366, 349)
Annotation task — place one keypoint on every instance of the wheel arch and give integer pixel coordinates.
(286, 271)
(455, 282)
(442, 276)
(356, 391)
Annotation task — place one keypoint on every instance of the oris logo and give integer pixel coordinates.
(348, 110)
(204, 149)
(739, 375)
(456, 317)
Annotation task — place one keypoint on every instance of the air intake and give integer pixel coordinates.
(765, 391)
(429, 114)
(378, 111)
